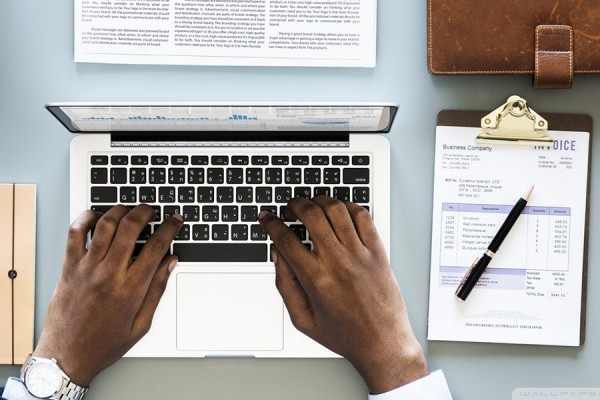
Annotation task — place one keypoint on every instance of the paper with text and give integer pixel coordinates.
(531, 292)
(329, 33)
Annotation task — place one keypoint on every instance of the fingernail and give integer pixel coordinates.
(274, 255)
(262, 214)
(177, 216)
(172, 265)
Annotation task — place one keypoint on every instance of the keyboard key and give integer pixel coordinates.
(299, 230)
(323, 191)
(331, 176)
(271, 209)
(137, 176)
(206, 194)
(239, 232)
(119, 160)
(186, 194)
(360, 195)
(102, 209)
(257, 233)
(139, 160)
(361, 160)
(215, 176)
(171, 210)
(283, 194)
(166, 194)
(254, 176)
(312, 176)
(219, 160)
(300, 160)
(191, 213)
(199, 160)
(225, 194)
(293, 176)
(340, 160)
(244, 194)
(356, 176)
(240, 160)
(159, 160)
(320, 160)
(210, 213)
(147, 194)
(273, 176)
(302, 191)
(229, 213)
(99, 175)
(341, 193)
(280, 160)
(158, 176)
(196, 176)
(118, 175)
(235, 176)
(264, 194)
(249, 213)
(260, 160)
(184, 233)
(99, 160)
(100, 194)
(201, 232)
(179, 160)
(220, 232)
(176, 175)
(282, 214)
(221, 252)
(128, 194)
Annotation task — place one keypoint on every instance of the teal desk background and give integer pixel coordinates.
(36, 67)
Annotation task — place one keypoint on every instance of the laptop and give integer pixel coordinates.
(219, 165)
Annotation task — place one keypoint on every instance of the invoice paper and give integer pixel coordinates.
(227, 32)
(531, 291)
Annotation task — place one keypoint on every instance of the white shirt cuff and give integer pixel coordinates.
(431, 387)
(16, 390)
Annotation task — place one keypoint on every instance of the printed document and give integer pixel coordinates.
(331, 33)
(531, 292)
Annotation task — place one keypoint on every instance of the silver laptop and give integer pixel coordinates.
(219, 165)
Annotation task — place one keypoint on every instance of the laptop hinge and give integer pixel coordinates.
(230, 139)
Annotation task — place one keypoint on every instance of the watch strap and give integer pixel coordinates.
(72, 392)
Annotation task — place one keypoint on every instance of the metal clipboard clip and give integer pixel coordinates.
(514, 123)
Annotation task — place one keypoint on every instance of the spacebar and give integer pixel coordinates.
(221, 252)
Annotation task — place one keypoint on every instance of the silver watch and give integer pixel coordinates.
(44, 379)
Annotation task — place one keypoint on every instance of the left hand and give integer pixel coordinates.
(104, 302)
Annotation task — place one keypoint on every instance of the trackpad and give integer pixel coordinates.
(228, 312)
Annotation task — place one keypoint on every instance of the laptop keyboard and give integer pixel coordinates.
(220, 196)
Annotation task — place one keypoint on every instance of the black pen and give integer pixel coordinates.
(480, 264)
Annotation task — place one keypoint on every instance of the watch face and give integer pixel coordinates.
(43, 379)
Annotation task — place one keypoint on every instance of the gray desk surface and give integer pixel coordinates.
(36, 67)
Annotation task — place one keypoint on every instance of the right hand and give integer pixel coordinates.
(343, 294)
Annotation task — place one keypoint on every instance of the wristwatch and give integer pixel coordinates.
(44, 379)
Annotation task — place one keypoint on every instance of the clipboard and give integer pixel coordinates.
(529, 129)
(17, 271)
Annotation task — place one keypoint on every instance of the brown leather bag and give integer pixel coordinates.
(552, 39)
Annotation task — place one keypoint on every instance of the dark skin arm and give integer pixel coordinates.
(343, 294)
(104, 303)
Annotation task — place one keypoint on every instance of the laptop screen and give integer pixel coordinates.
(125, 117)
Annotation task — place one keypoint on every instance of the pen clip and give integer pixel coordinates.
(466, 276)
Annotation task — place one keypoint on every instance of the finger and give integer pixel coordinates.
(288, 243)
(364, 225)
(156, 289)
(144, 267)
(313, 217)
(105, 230)
(293, 295)
(78, 231)
(339, 219)
(128, 231)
